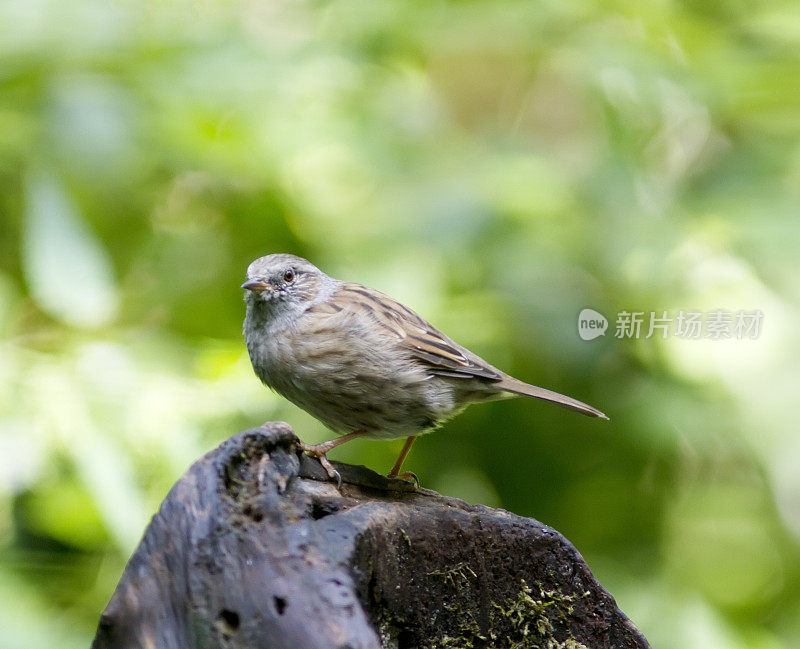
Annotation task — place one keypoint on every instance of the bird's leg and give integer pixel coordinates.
(320, 451)
(395, 472)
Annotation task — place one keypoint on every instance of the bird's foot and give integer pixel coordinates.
(405, 476)
(319, 451)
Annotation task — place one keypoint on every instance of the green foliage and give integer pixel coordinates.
(498, 166)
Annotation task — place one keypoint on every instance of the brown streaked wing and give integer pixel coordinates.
(422, 339)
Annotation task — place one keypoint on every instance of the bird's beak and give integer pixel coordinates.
(257, 285)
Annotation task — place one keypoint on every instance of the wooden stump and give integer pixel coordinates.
(254, 547)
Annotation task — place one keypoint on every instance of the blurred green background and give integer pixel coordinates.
(498, 166)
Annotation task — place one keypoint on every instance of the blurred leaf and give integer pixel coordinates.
(66, 512)
(66, 267)
(27, 622)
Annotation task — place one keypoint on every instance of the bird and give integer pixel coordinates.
(361, 362)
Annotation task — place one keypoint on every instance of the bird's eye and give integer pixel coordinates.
(288, 275)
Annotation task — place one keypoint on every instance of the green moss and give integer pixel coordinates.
(456, 576)
(524, 621)
(527, 613)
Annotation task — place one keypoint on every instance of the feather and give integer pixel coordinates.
(441, 355)
(510, 384)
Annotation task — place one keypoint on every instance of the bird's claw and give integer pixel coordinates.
(332, 473)
(313, 451)
(405, 476)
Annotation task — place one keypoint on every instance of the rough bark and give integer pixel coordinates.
(255, 547)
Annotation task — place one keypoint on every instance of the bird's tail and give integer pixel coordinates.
(510, 384)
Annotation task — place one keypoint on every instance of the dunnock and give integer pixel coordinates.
(361, 362)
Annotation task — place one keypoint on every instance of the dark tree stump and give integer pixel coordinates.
(254, 547)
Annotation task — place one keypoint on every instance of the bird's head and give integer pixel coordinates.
(282, 281)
